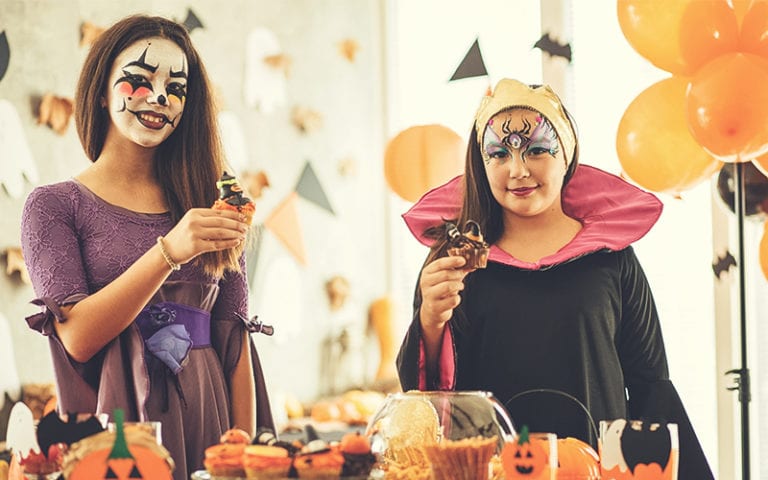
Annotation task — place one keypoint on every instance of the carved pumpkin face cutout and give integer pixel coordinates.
(525, 458)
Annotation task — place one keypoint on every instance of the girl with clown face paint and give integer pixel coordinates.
(142, 285)
(563, 304)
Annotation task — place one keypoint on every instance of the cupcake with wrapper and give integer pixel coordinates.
(468, 243)
(232, 197)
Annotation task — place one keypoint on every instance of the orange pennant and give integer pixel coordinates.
(284, 223)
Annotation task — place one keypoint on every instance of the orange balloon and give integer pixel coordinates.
(727, 107)
(740, 8)
(679, 35)
(423, 157)
(655, 147)
(764, 251)
(708, 29)
(753, 38)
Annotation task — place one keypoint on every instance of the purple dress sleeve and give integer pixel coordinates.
(50, 246)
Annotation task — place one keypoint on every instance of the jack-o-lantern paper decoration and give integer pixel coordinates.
(577, 460)
(638, 450)
(120, 455)
(423, 157)
(530, 456)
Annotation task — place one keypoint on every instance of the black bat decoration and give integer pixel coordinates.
(554, 48)
(645, 443)
(5, 54)
(52, 429)
(723, 264)
(192, 22)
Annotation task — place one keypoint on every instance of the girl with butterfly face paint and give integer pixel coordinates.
(142, 285)
(563, 304)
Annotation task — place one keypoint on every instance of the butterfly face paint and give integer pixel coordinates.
(502, 138)
(147, 92)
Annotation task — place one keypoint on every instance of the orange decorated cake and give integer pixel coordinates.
(469, 244)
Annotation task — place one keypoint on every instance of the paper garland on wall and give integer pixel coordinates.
(5, 54)
(264, 86)
(309, 188)
(283, 222)
(16, 162)
(192, 22)
(472, 65)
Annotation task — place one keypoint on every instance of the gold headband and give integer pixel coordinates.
(511, 93)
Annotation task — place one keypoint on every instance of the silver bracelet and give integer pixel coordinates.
(174, 266)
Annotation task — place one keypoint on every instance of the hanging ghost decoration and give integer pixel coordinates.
(16, 162)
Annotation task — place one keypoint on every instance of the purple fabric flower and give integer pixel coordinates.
(171, 344)
(161, 316)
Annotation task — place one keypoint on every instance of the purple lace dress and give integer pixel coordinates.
(167, 365)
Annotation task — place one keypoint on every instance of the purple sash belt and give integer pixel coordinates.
(170, 330)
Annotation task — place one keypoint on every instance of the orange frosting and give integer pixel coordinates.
(332, 459)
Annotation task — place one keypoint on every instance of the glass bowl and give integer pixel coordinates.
(407, 422)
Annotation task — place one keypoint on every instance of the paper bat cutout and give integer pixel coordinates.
(192, 22)
(89, 32)
(646, 443)
(722, 265)
(52, 429)
(472, 65)
(348, 49)
(5, 54)
(553, 47)
(15, 263)
(55, 112)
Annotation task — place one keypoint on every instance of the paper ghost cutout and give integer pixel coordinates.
(21, 437)
(89, 32)
(233, 140)
(306, 119)
(264, 86)
(5, 54)
(16, 163)
(553, 47)
(348, 49)
(192, 22)
(55, 112)
(15, 263)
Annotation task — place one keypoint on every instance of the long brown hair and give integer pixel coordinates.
(479, 204)
(188, 163)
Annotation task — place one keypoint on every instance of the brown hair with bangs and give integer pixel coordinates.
(190, 160)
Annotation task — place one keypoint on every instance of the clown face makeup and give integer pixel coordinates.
(524, 162)
(147, 91)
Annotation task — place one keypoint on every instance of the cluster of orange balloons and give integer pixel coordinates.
(714, 106)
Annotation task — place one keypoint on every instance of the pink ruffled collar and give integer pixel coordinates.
(614, 214)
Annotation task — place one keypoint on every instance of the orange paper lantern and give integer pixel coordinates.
(655, 148)
(727, 106)
(423, 157)
(679, 35)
